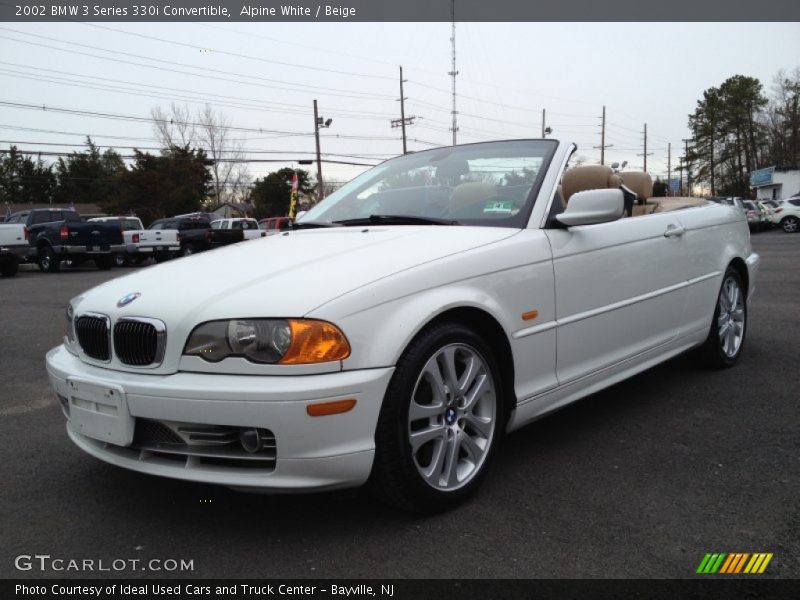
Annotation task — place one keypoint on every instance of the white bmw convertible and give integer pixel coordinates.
(408, 321)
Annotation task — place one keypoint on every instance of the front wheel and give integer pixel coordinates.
(121, 260)
(48, 261)
(790, 224)
(441, 419)
(725, 340)
(188, 250)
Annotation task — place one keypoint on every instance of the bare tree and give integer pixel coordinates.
(209, 130)
(174, 127)
(230, 172)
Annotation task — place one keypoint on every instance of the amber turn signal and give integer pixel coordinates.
(315, 342)
(330, 408)
(530, 315)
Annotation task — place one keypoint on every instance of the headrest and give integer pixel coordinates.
(590, 177)
(639, 182)
(474, 192)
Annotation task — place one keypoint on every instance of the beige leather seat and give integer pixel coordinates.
(590, 177)
(468, 199)
(641, 184)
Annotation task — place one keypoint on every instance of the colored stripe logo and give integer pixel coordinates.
(734, 563)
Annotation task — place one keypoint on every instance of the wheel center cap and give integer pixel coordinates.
(450, 415)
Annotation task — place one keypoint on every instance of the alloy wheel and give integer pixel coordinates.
(452, 417)
(731, 317)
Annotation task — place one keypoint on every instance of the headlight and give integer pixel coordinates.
(270, 341)
(70, 326)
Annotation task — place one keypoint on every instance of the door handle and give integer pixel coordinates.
(674, 231)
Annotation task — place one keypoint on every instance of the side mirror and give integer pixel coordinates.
(593, 206)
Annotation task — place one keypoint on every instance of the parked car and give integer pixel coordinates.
(768, 207)
(195, 234)
(275, 225)
(141, 243)
(729, 200)
(405, 329)
(787, 215)
(59, 234)
(13, 248)
(754, 214)
(248, 226)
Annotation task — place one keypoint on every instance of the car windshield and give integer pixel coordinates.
(488, 184)
(750, 205)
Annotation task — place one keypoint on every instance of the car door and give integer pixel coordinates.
(620, 290)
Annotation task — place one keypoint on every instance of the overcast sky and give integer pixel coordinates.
(508, 72)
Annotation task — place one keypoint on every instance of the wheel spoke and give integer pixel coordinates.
(423, 436)
(450, 471)
(417, 412)
(433, 375)
(433, 472)
(475, 394)
(483, 425)
(449, 368)
(723, 330)
(471, 447)
(471, 371)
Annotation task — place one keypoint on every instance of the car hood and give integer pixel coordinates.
(285, 275)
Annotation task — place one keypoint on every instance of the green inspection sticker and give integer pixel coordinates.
(498, 206)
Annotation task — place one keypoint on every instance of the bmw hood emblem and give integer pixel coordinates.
(127, 299)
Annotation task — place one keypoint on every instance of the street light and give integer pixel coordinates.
(319, 123)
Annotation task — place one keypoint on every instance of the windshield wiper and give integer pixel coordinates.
(312, 224)
(395, 220)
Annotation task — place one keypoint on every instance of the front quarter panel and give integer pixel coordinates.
(504, 280)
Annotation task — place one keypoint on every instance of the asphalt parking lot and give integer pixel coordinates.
(640, 480)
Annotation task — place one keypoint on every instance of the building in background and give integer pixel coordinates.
(776, 183)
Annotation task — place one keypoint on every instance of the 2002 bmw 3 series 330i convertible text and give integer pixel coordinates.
(403, 326)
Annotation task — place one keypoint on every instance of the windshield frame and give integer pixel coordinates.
(370, 177)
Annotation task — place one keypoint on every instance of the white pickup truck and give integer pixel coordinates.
(13, 248)
(141, 243)
(249, 227)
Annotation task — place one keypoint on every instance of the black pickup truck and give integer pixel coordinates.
(59, 234)
(195, 234)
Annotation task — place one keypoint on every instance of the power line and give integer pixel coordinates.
(205, 69)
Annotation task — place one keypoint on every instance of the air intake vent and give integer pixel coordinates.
(139, 342)
(93, 333)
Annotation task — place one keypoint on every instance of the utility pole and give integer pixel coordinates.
(603, 144)
(645, 154)
(319, 123)
(669, 169)
(688, 166)
(454, 72)
(680, 170)
(543, 122)
(403, 120)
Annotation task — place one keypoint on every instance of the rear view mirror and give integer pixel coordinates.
(593, 206)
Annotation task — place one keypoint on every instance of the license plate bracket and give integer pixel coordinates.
(100, 411)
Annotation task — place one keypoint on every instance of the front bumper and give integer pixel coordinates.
(312, 453)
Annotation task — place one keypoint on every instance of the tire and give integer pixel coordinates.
(159, 257)
(136, 261)
(105, 262)
(790, 224)
(121, 260)
(725, 340)
(9, 268)
(188, 250)
(414, 470)
(48, 261)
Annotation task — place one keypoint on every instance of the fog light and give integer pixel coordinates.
(250, 438)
